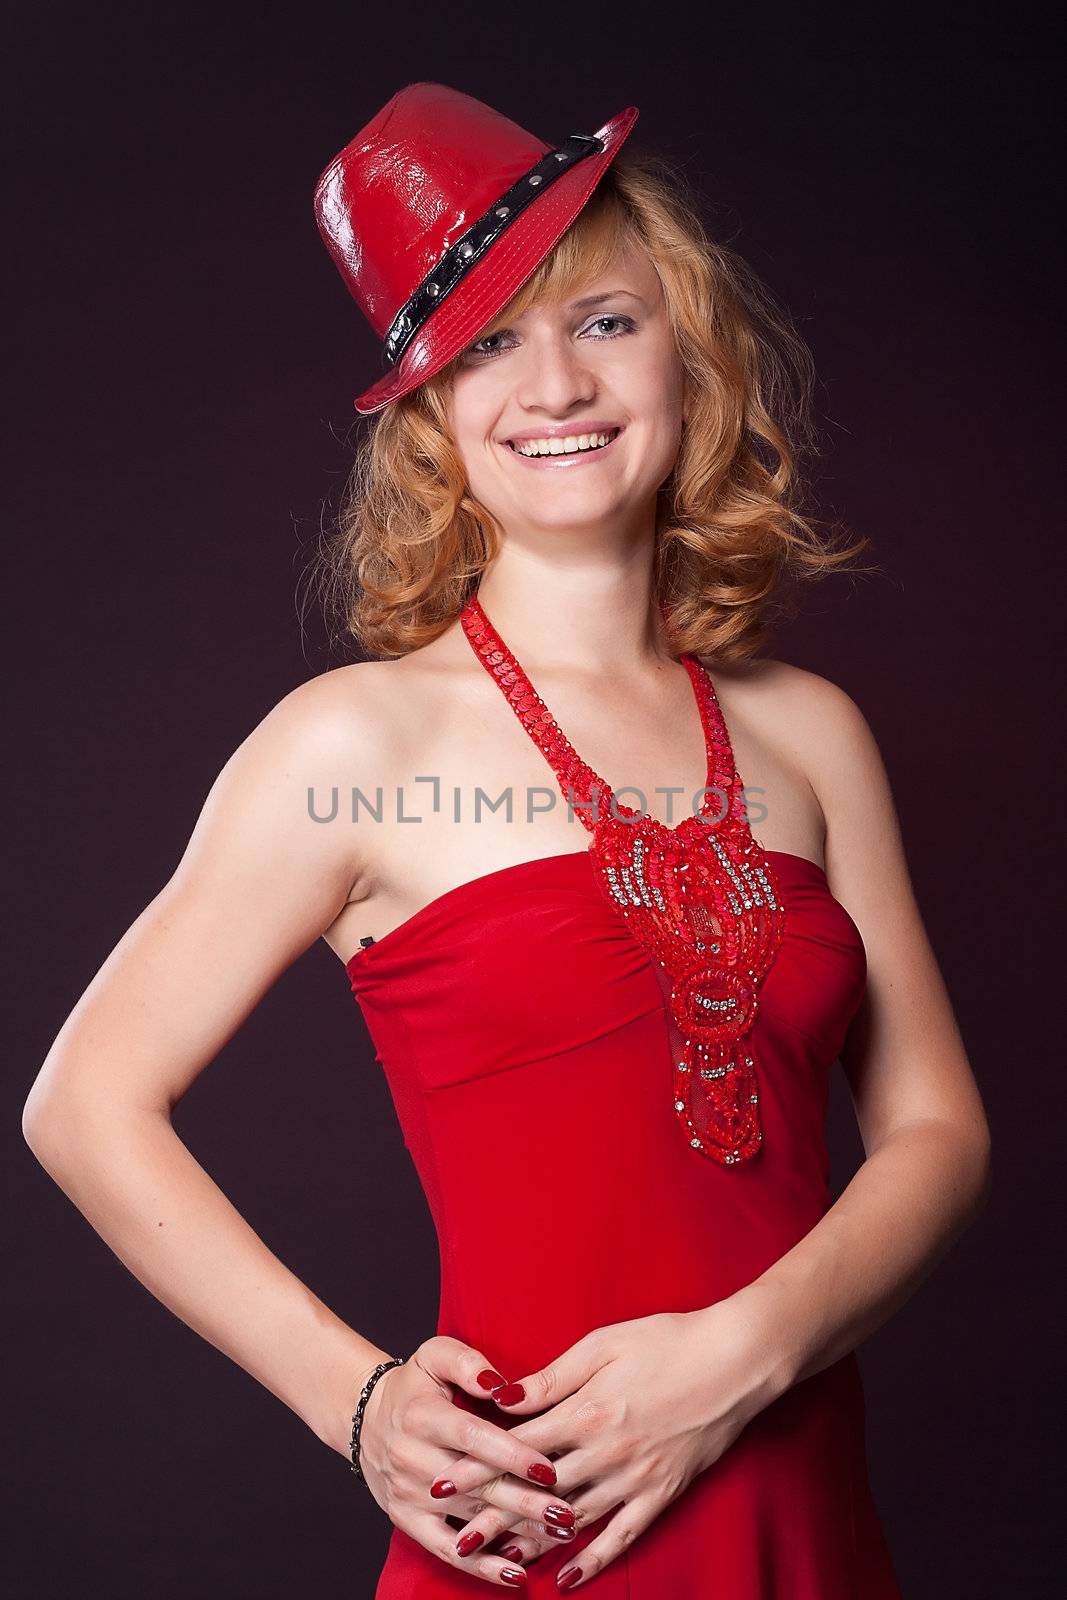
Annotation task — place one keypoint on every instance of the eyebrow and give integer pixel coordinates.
(598, 299)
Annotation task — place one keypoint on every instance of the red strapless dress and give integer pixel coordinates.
(642, 1030)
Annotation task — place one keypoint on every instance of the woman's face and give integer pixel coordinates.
(560, 378)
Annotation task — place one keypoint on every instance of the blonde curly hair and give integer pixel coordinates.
(410, 541)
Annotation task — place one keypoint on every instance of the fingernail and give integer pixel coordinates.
(512, 1552)
(442, 1487)
(470, 1541)
(541, 1472)
(509, 1395)
(568, 1577)
(490, 1379)
(513, 1575)
(562, 1516)
(558, 1533)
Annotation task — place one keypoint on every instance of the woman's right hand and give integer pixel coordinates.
(411, 1434)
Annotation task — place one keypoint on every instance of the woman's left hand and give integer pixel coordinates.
(637, 1410)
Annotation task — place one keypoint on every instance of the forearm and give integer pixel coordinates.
(151, 1201)
(900, 1214)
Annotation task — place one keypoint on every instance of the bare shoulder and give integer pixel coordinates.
(379, 699)
(780, 691)
(352, 717)
(807, 718)
(320, 737)
(352, 701)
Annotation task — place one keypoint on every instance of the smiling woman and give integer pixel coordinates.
(709, 385)
(575, 505)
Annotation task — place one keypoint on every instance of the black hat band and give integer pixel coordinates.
(472, 245)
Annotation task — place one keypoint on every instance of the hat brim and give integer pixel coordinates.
(487, 287)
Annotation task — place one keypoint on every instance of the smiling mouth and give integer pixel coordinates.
(572, 444)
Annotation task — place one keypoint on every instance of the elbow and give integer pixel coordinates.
(968, 1170)
(54, 1127)
(43, 1122)
(69, 1125)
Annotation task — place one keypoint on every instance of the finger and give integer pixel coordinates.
(434, 1534)
(530, 1514)
(481, 1445)
(503, 1500)
(543, 1437)
(589, 1502)
(449, 1360)
(553, 1526)
(631, 1519)
(490, 1523)
(554, 1382)
(516, 1546)
(464, 1509)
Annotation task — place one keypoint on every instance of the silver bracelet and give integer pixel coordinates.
(357, 1420)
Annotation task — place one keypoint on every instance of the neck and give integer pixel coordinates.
(588, 614)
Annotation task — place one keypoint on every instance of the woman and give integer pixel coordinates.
(607, 1024)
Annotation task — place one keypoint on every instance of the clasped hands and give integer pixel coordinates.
(622, 1421)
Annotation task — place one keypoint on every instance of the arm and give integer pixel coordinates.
(927, 1169)
(257, 885)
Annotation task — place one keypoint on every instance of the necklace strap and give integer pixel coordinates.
(701, 900)
(580, 784)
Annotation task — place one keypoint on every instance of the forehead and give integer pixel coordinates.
(626, 269)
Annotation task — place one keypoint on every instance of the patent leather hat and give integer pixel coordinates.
(438, 211)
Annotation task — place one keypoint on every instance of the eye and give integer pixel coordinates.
(484, 349)
(615, 324)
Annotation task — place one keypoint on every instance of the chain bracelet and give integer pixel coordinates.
(357, 1419)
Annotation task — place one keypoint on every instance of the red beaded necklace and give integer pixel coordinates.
(700, 897)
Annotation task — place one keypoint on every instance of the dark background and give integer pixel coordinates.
(184, 358)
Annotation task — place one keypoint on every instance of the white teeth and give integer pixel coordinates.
(565, 446)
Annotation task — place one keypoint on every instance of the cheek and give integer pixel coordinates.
(473, 416)
(654, 387)
(486, 474)
(663, 415)
(671, 379)
(471, 452)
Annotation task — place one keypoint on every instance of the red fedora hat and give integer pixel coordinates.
(438, 211)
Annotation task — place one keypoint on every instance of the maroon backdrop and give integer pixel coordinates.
(180, 405)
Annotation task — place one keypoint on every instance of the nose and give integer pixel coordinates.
(554, 377)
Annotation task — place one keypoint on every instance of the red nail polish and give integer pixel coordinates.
(512, 1552)
(542, 1474)
(490, 1379)
(442, 1487)
(470, 1541)
(516, 1576)
(561, 1516)
(558, 1533)
(568, 1577)
(509, 1395)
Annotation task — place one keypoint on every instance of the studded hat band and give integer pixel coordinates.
(472, 245)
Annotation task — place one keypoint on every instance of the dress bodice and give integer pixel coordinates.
(702, 899)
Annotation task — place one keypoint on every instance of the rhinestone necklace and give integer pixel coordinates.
(700, 897)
